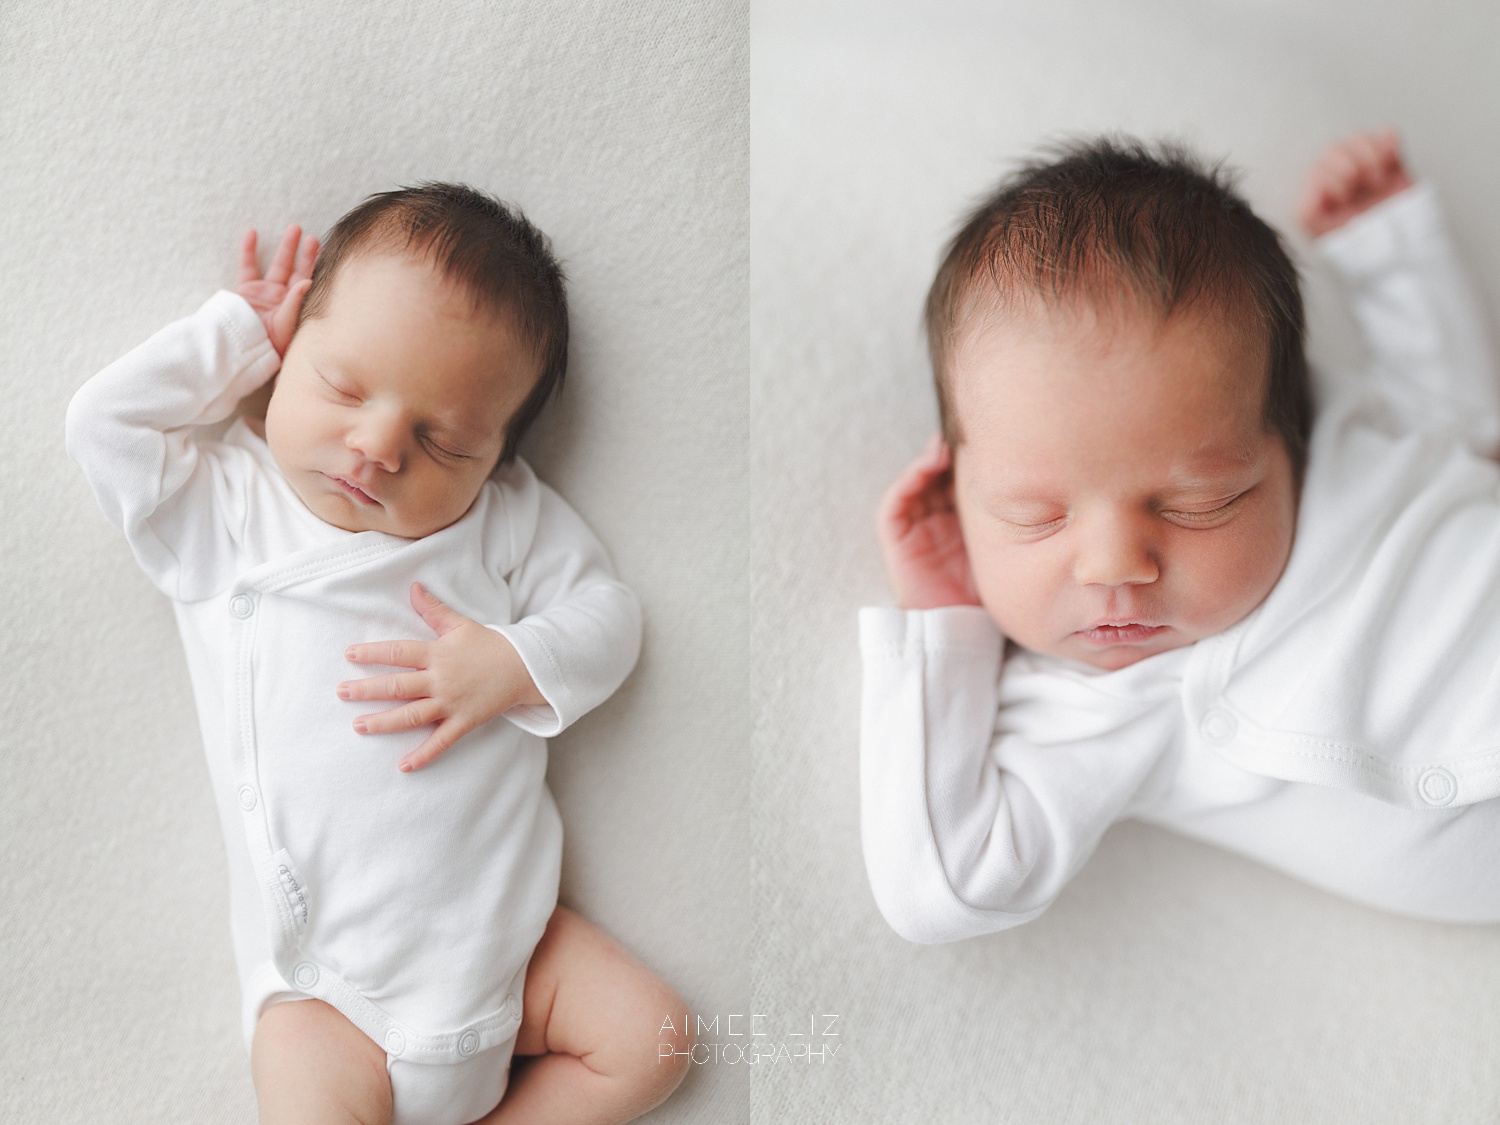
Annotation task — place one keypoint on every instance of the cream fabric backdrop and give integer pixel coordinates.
(1172, 983)
(139, 140)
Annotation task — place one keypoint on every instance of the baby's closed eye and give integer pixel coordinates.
(1033, 523)
(1205, 514)
(338, 392)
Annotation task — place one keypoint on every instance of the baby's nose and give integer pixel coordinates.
(378, 438)
(1114, 552)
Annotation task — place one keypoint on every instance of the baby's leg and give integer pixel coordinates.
(311, 1065)
(592, 1014)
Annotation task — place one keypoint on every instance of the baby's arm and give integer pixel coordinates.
(575, 638)
(1385, 236)
(131, 427)
(965, 831)
(577, 627)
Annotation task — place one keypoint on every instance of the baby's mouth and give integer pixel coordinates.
(353, 490)
(1105, 634)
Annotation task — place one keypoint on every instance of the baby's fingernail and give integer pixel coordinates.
(343, 692)
(406, 767)
(359, 725)
(348, 654)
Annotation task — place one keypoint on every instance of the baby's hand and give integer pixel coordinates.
(921, 538)
(465, 678)
(278, 295)
(1351, 177)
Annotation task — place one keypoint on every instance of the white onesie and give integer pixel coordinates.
(1347, 731)
(411, 902)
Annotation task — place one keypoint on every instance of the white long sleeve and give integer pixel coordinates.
(969, 827)
(1431, 355)
(132, 429)
(577, 627)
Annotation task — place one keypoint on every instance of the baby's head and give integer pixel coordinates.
(435, 330)
(1118, 347)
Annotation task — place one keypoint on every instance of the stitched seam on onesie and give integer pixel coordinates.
(1353, 756)
(318, 567)
(233, 330)
(553, 666)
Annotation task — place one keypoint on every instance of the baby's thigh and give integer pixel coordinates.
(586, 996)
(310, 1064)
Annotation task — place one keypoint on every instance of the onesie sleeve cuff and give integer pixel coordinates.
(905, 633)
(1399, 229)
(544, 721)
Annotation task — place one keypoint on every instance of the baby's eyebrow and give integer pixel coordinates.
(1225, 483)
(1221, 476)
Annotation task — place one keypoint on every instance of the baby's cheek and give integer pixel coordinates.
(1230, 578)
(1010, 582)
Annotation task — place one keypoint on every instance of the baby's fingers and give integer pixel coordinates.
(439, 616)
(438, 743)
(307, 257)
(397, 654)
(1368, 156)
(280, 270)
(1340, 175)
(402, 685)
(417, 713)
(284, 320)
(249, 266)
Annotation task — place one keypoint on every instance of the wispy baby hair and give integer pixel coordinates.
(1107, 217)
(480, 243)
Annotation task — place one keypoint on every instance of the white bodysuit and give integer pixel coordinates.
(411, 902)
(1347, 731)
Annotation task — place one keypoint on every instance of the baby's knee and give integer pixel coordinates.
(661, 1041)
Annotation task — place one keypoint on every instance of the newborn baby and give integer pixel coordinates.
(384, 918)
(1273, 635)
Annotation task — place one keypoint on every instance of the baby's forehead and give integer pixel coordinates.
(1087, 368)
(441, 287)
(1090, 335)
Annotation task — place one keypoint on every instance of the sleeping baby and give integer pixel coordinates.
(1139, 579)
(393, 899)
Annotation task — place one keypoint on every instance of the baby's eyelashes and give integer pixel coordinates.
(1029, 527)
(1206, 516)
(338, 392)
(444, 453)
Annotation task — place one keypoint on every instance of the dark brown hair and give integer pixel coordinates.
(478, 242)
(1110, 216)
